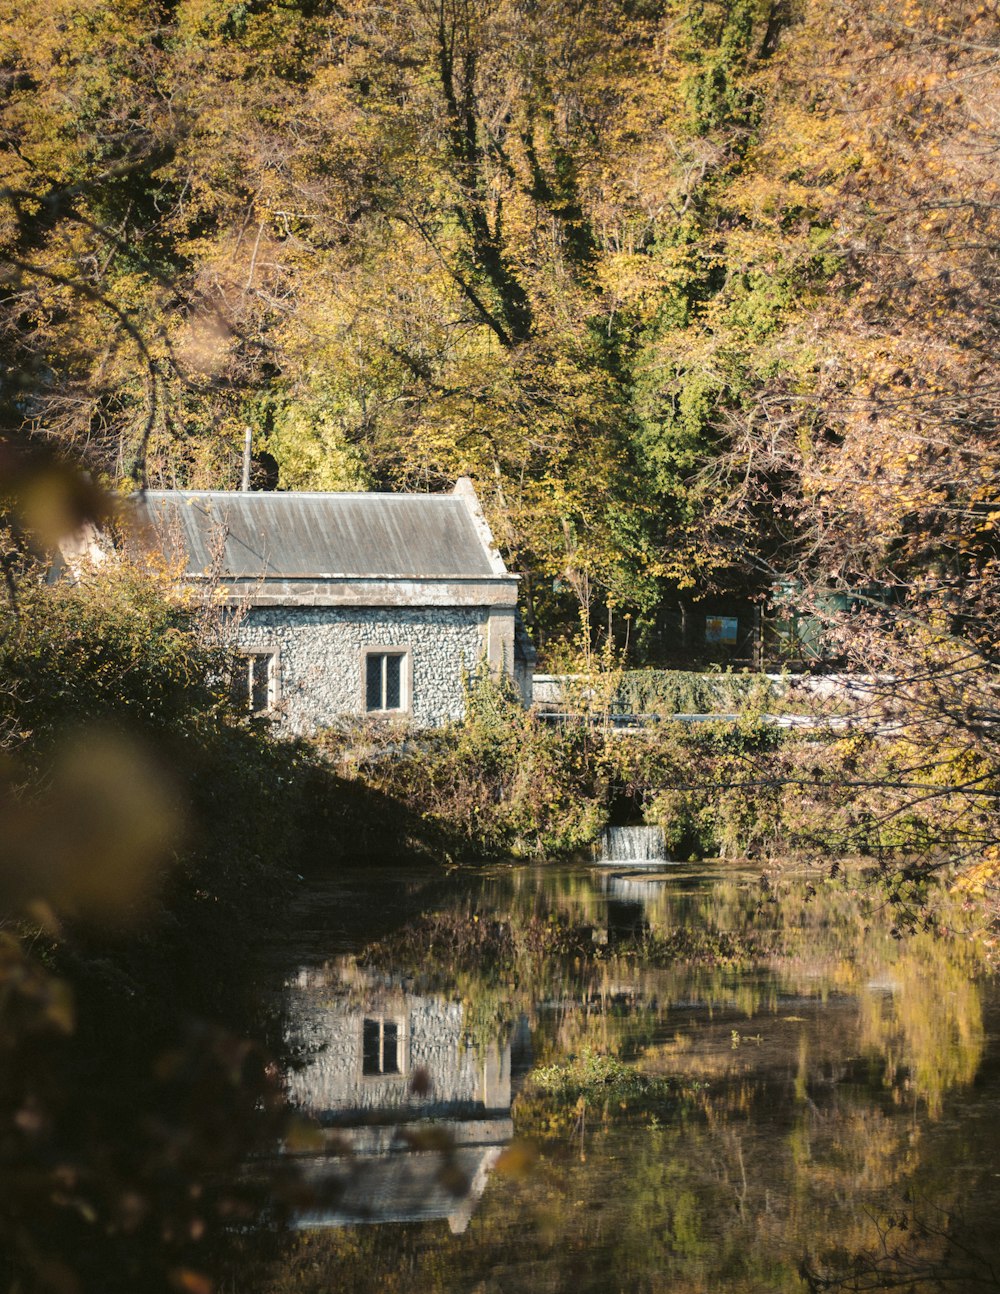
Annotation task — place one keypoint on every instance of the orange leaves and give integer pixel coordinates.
(35, 1003)
(185, 1280)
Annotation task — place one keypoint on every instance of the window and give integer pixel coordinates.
(255, 681)
(722, 629)
(382, 1047)
(385, 681)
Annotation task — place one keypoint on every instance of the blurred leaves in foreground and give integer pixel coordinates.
(134, 844)
(93, 840)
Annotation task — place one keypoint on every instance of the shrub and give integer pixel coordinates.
(499, 783)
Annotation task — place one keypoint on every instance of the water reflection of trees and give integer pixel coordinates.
(817, 1083)
(913, 1007)
(691, 1208)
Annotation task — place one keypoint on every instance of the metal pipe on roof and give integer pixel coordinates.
(247, 438)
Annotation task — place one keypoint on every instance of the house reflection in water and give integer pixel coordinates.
(417, 1115)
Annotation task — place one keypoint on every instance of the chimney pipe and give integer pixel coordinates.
(247, 437)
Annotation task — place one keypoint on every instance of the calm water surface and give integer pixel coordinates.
(589, 1079)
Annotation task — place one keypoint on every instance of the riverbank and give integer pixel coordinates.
(507, 783)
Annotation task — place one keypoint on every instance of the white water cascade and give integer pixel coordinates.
(633, 845)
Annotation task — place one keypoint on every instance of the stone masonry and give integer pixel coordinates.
(320, 658)
(459, 1080)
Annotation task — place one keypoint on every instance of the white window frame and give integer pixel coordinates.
(403, 651)
(248, 657)
(402, 1045)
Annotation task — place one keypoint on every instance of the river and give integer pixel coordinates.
(636, 1078)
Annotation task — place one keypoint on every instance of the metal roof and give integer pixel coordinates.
(319, 536)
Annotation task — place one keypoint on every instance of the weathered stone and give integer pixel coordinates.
(333, 1082)
(321, 654)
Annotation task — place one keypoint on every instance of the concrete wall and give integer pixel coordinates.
(320, 668)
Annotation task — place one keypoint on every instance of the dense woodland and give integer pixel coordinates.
(702, 293)
(698, 291)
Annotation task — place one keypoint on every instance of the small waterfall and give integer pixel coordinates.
(633, 845)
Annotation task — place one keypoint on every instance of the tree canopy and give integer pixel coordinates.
(697, 290)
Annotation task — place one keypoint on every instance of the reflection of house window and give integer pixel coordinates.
(385, 681)
(382, 1047)
(255, 681)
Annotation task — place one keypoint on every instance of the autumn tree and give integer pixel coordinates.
(399, 243)
(866, 463)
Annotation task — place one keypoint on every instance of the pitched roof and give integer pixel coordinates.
(322, 536)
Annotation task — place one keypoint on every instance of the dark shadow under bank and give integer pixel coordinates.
(128, 1126)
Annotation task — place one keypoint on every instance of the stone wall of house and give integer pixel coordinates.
(320, 658)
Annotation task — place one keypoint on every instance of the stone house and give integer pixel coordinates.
(349, 605)
(362, 1037)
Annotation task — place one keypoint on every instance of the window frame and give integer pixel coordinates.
(381, 1019)
(248, 656)
(405, 655)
